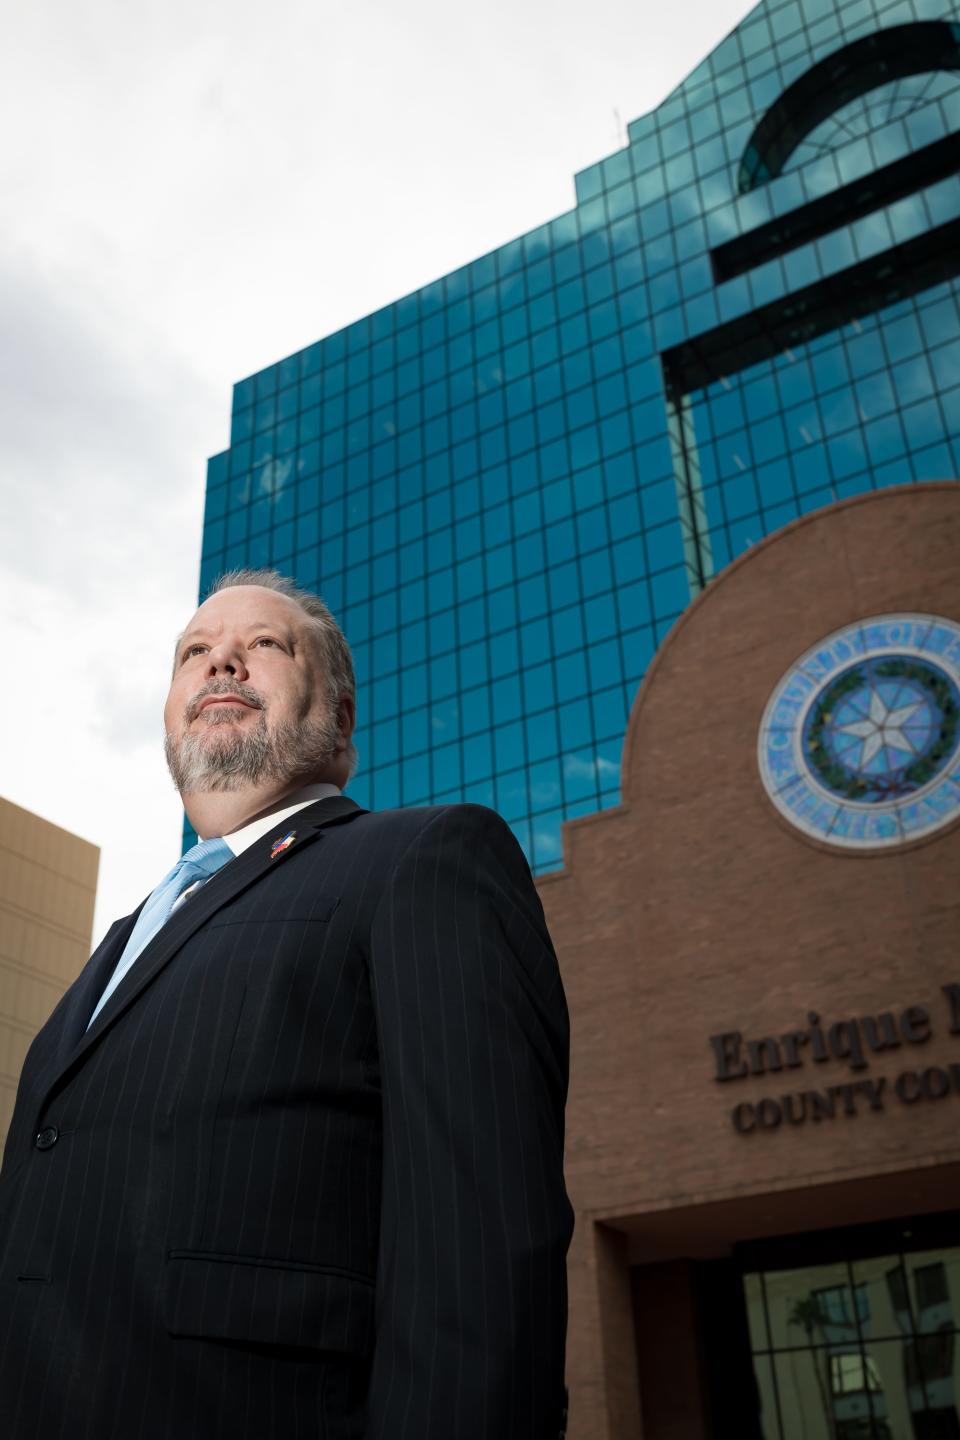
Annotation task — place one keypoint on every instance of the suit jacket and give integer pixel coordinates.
(303, 1175)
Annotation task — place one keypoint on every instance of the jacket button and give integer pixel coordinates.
(47, 1138)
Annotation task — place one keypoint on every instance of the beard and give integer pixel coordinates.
(236, 759)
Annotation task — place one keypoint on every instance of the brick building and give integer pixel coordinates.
(764, 982)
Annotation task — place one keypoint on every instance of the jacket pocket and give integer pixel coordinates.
(256, 908)
(267, 1302)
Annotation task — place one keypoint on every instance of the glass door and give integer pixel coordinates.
(858, 1349)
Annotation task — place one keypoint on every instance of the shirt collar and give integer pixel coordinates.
(242, 839)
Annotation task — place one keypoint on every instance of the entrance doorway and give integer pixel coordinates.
(845, 1334)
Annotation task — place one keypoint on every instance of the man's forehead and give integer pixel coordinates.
(246, 605)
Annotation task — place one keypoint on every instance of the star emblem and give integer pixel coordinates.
(885, 726)
(859, 745)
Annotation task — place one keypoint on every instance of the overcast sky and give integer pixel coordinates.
(189, 192)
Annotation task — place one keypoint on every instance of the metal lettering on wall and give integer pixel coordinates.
(852, 1041)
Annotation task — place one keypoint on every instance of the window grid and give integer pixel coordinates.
(880, 1333)
(874, 414)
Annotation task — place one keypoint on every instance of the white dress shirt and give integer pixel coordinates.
(242, 839)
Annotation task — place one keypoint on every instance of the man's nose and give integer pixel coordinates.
(226, 659)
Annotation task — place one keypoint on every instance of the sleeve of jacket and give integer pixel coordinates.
(475, 1222)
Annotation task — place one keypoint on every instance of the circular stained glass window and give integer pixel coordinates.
(860, 742)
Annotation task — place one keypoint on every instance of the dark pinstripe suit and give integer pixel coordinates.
(307, 1173)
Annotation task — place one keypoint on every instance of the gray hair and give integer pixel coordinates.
(334, 650)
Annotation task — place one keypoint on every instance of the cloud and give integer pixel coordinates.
(81, 733)
(101, 436)
(101, 493)
(578, 767)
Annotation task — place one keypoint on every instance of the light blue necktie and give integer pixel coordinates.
(204, 860)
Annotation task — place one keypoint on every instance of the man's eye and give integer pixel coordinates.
(193, 650)
(265, 640)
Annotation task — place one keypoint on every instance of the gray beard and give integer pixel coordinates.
(241, 759)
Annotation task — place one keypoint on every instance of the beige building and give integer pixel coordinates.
(48, 883)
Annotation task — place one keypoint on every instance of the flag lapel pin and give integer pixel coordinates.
(279, 846)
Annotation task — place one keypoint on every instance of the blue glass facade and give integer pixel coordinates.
(509, 484)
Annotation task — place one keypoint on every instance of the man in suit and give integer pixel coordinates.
(286, 1160)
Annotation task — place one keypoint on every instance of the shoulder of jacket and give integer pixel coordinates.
(414, 818)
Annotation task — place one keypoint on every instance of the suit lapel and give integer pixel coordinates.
(89, 984)
(58, 1038)
(246, 869)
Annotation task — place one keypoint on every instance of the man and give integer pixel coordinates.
(287, 1159)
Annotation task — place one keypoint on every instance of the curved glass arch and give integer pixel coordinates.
(842, 82)
(869, 113)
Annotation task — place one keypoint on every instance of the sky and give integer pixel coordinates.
(188, 193)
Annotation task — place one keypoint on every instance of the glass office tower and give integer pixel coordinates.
(509, 484)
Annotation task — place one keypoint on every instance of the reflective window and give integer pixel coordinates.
(864, 1349)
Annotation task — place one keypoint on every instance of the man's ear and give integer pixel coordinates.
(346, 717)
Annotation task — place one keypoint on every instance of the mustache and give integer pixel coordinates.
(223, 687)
